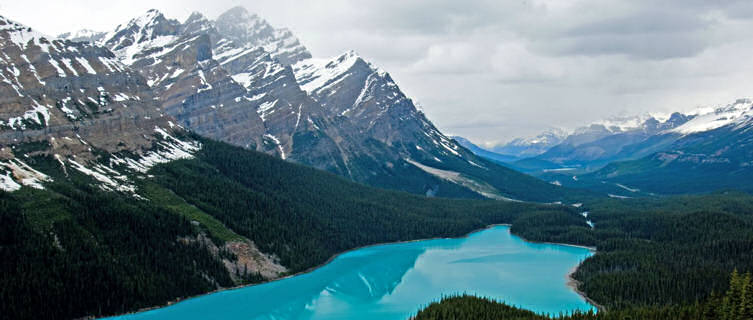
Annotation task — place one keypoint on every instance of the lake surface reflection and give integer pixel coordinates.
(394, 281)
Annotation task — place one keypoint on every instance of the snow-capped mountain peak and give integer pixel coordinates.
(626, 123)
(83, 35)
(147, 31)
(316, 74)
(250, 30)
(533, 145)
(549, 137)
(196, 23)
(709, 119)
(347, 83)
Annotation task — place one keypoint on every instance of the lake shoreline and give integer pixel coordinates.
(172, 302)
(573, 284)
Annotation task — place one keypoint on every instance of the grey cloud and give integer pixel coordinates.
(433, 17)
(643, 22)
(646, 46)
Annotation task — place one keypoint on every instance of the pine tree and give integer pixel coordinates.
(745, 311)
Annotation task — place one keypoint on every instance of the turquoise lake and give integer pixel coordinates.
(394, 281)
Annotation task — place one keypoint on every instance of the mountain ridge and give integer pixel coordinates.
(668, 156)
(352, 119)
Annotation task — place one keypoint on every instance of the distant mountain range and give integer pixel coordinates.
(533, 146)
(701, 151)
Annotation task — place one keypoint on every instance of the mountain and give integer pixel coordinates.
(72, 100)
(239, 80)
(499, 158)
(353, 88)
(591, 147)
(701, 151)
(239, 26)
(84, 35)
(77, 120)
(191, 86)
(533, 146)
(711, 152)
(224, 90)
(600, 143)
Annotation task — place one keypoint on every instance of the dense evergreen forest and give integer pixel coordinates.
(735, 304)
(658, 258)
(659, 251)
(70, 252)
(81, 251)
(305, 216)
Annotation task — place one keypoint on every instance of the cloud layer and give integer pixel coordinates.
(494, 70)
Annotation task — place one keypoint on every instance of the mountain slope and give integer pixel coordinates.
(351, 87)
(711, 152)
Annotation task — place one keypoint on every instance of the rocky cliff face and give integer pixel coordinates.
(351, 87)
(199, 94)
(296, 123)
(72, 100)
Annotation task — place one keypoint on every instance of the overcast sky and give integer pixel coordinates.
(493, 70)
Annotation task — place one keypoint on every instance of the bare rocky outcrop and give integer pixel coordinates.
(247, 258)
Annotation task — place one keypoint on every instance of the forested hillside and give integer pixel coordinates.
(657, 251)
(735, 304)
(84, 251)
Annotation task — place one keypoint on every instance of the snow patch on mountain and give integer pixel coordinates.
(115, 175)
(14, 173)
(316, 74)
(276, 141)
(151, 30)
(706, 120)
(20, 34)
